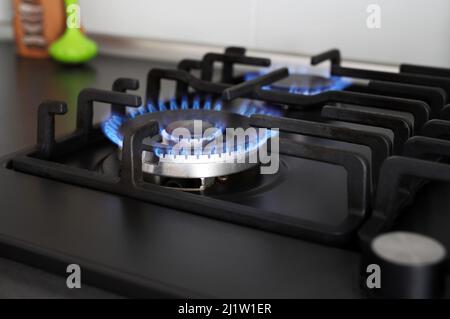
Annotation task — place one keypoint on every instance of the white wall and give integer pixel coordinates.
(5, 19)
(5, 10)
(415, 31)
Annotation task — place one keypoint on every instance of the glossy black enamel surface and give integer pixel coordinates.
(142, 249)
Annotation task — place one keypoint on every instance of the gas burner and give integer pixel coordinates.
(304, 83)
(195, 133)
(193, 149)
(196, 148)
(111, 127)
(307, 84)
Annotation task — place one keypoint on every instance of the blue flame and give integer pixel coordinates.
(111, 127)
(337, 83)
(218, 106)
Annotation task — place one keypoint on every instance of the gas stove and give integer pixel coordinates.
(340, 173)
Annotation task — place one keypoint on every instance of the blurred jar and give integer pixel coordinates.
(37, 23)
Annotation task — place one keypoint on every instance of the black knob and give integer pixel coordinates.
(404, 265)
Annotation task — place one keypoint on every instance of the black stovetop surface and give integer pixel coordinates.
(164, 251)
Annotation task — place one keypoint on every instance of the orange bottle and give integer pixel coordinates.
(37, 23)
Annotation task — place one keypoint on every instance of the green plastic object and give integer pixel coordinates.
(73, 47)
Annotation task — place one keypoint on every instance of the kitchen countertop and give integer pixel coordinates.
(22, 281)
(23, 85)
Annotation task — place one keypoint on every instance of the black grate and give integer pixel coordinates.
(377, 189)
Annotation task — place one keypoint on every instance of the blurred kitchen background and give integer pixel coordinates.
(412, 31)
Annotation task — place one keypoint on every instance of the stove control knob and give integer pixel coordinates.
(404, 265)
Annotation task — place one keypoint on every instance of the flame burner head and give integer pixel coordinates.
(305, 83)
(190, 147)
(190, 131)
(111, 127)
(308, 84)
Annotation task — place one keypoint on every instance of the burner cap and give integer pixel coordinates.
(164, 159)
(189, 125)
(303, 83)
(194, 130)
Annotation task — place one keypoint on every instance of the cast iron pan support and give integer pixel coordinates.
(445, 113)
(387, 202)
(122, 85)
(46, 145)
(131, 171)
(228, 59)
(155, 76)
(228, 67)
(232, 56)
(378, 144)
(334, 56)
(130, 184)
(437, 129)
(358, 189)
(427, 148)
(186, 65)
(396, 124)
(399, 126)
(419, 109)
(85, 110)
(46, 127)
(433, 96)
(420, 146)
(424, 70)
